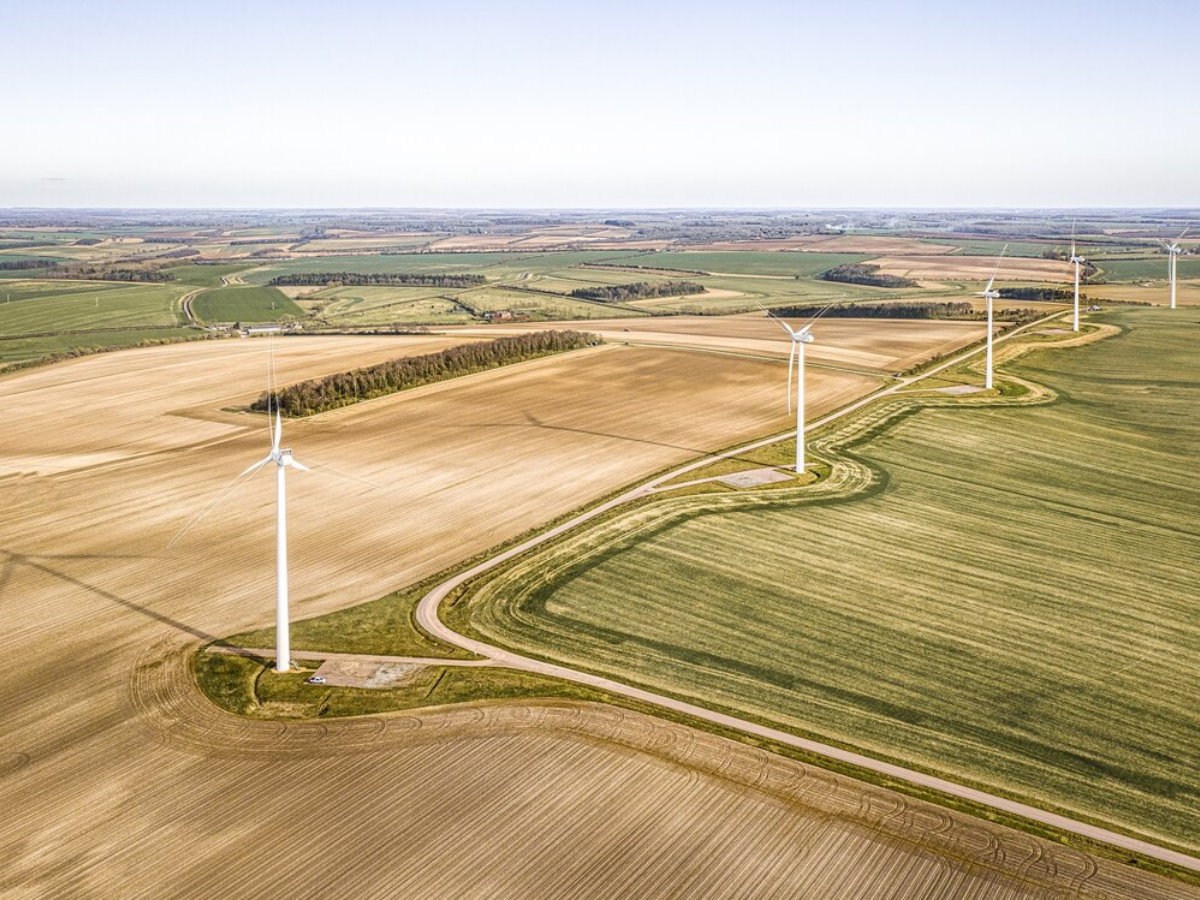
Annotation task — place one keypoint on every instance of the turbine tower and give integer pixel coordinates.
(989, 295)
(1078, 261)
(283, 459)
(800, 337)
(1173, 249)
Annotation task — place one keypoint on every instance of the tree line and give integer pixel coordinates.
(857, 273)
(1036, 293)
(358, 279)
(925, 310)
(320, 394)
(16, 264)
(618, 293)
(101, 273)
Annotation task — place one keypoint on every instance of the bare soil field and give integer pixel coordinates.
(1187, 293)
(117, 406)
(552, 237)
(972, 268)
(876, 345)
(117, 779)
(837, 243)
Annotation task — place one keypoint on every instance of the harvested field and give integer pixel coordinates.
(875, 345)
(972, 268)
(839, 243)
(784, 264)
(1187, 292)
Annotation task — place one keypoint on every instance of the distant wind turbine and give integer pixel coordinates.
(1078, 261)
(1174, 250)
(990, 295)
(800, 337)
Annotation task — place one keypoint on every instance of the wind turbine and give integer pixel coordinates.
(800, 337)
(990, 295)
(283, 459)
(1078, 261)
(1174, 250)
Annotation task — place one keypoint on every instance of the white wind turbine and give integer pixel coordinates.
(990, 295)
(1077, 260)
(1174, 250)
(283, 459)
(800, 337)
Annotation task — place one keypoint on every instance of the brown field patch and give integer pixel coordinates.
(836, 243)
(972, 268)
(876, 345)
(1187, 292)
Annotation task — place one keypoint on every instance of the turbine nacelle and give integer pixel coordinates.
(803, 336)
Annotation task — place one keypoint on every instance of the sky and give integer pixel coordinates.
(841, 103)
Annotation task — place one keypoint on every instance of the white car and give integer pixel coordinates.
(315, 679)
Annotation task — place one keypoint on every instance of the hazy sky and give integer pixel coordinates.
(518, 104)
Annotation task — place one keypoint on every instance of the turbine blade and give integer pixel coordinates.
(1182, 234)
(208, 507)
(778, 321)
(254, 468)
(296, 464)
(1073, 224)
(277, 436)
(992, 280)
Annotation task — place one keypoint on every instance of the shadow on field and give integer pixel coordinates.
(15, 559)
(535, 422)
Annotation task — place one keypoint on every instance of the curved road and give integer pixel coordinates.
(427, 616)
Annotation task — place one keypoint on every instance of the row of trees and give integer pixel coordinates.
(359, 279)
(1036, 293)
(619, 293)
(102, 273)
(625, 265)
(321, 394)
(857, 273)
(17, 264)
(926, 310)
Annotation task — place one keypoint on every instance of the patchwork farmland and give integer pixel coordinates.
(109, 458)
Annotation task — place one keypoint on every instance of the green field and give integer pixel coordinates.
(1147, 268)
(43, 307)
(746, 262)
(493, 265)
(384, 305)
(207, 276)
(29, 349)
(244, 304)
(1011, 603)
